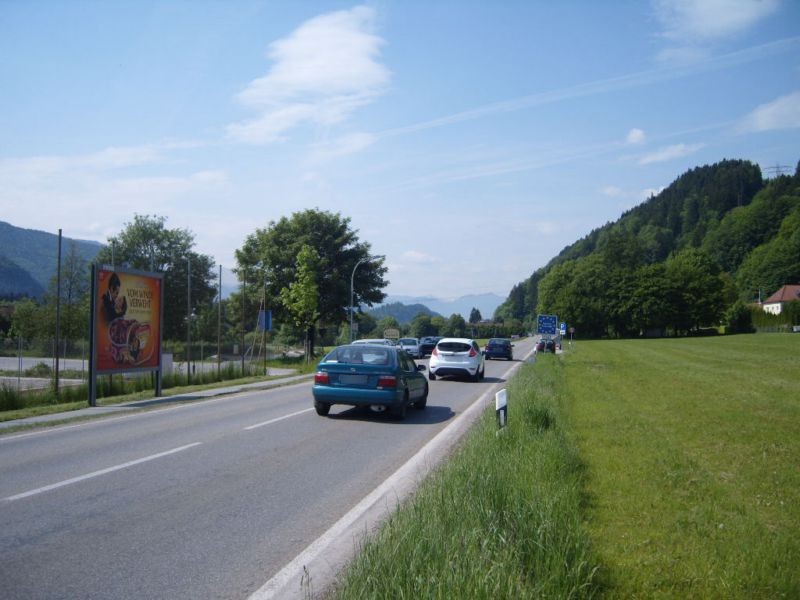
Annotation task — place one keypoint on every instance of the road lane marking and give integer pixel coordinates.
(138, 461)
(326, 556)
(271, 421)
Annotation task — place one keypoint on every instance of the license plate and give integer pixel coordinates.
(353, 379)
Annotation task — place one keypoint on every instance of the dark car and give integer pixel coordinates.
(380, 377)
(427, 344)
(545, 346)
(499, 348)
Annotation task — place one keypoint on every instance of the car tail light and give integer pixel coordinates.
(472, 353)
(434, 352)
(387, 381)
(322, 378)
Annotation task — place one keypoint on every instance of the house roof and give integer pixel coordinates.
(786, 294)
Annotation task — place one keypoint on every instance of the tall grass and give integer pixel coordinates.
(502, 519)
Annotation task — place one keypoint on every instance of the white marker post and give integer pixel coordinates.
(501, 408)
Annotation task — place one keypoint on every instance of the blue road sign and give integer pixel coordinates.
(546, 324)
(563, 328)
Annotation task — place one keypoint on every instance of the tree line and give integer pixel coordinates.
(696, 255)
(299, 267)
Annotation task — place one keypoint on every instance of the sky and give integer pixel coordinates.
(468, 142)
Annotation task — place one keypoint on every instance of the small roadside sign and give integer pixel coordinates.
(563, 328)
(501, 408)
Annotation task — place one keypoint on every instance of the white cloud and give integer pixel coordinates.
(324, 71)
(692, 21)
(670, 153)
(782, 113)
(611, 191)
(635, 136)
(342, 146)
(418, 257)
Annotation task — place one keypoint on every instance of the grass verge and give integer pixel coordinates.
(501, 519)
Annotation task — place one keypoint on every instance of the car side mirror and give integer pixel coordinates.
(420, 367)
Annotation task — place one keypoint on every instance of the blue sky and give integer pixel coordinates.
(468, 142)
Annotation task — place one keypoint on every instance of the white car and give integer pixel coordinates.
(461, 357)
(410, 345)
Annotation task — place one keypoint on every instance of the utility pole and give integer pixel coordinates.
(188, 321)
(58, 310)
(219, 326)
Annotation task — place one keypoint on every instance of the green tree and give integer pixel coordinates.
(270, 254)
(301, 297)
(26, 320)
(387, 322)
(74, 304)
(475, 316)
(146, 244)
(774, 263)
(421, 326)
(367, 324)
(697, 290)
(455, 326)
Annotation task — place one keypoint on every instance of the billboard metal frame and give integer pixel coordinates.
(142, 285)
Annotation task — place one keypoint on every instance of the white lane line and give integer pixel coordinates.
(330, 552)
(138, 461)
(271, 421)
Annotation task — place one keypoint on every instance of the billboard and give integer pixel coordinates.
(126, 320)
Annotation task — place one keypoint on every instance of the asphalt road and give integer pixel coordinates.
(204, 500)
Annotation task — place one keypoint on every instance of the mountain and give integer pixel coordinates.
(29, 255)
(485, 303)
(16, 282)
(404, 313)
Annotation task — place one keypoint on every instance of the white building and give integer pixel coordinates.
(775, 303)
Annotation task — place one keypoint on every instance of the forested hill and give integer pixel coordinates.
(29, 259)
(745, 227)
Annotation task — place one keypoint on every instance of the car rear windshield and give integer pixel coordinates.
(360, 356)
(408, 341)
(454, 347)
(499, 343)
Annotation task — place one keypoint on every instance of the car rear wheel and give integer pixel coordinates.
(399, 412)
(322, 408)
(431, 376)
(422, 402)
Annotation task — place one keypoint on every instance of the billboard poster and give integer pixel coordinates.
(127, 320)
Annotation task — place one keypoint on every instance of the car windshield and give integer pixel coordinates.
(354, 355)
(408, 341)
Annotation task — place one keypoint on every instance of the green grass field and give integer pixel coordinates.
(692, 449)
(630, 469)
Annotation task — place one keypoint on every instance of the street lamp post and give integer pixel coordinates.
(352, 277)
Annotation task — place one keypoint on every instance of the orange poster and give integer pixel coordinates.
(127, 320)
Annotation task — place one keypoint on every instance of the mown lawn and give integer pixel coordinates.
(692, 449)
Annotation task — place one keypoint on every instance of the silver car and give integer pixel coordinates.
(410, 345)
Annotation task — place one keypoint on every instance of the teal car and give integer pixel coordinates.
(376, 376)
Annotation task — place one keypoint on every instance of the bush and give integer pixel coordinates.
(739, 318)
